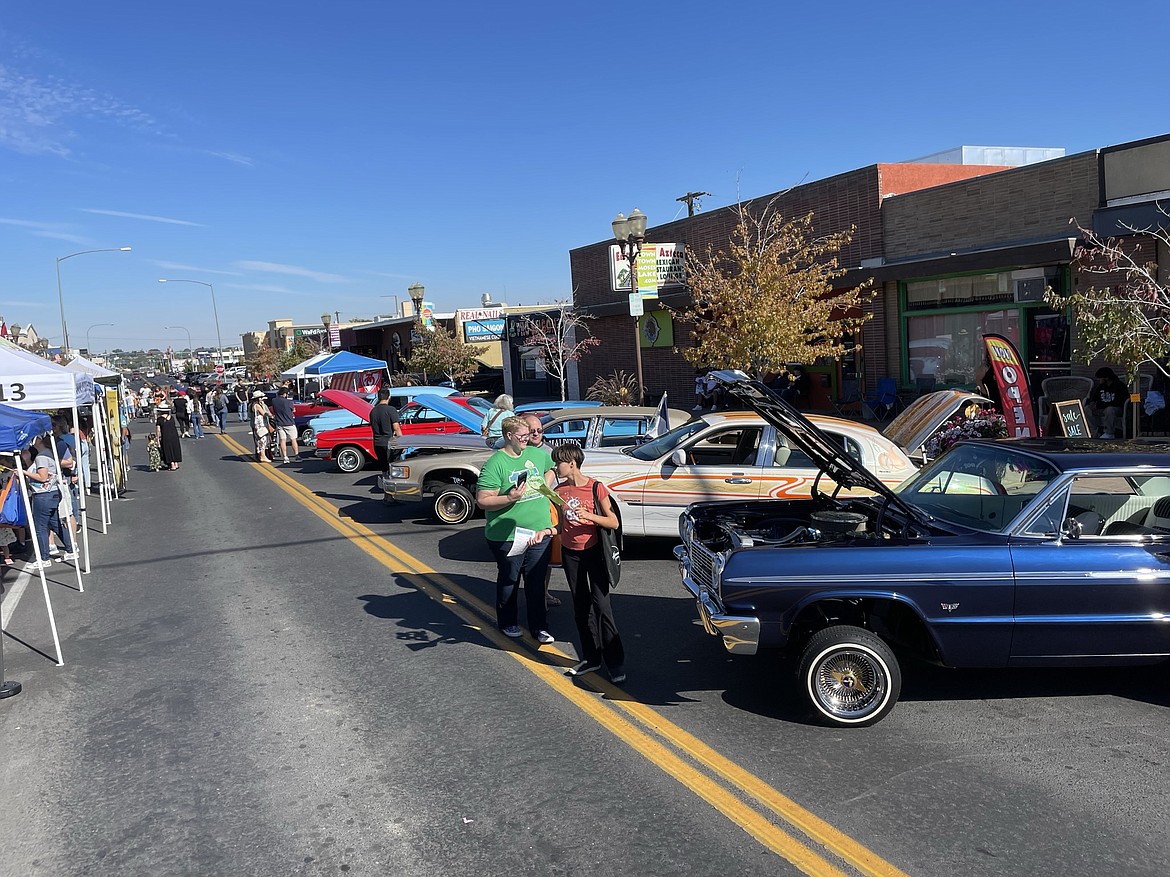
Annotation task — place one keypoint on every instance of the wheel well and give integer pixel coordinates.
(348, 447)
(893, 621)
(436, 478)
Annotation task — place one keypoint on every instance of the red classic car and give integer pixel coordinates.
(352, 447)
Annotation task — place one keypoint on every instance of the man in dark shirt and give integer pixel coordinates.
(386, 429)
(286, 425)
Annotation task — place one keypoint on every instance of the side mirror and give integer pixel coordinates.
(678, 457)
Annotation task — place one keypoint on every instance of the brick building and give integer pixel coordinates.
(839, 202)
(954, 251)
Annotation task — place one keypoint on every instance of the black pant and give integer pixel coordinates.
(386, 455)
(596, 629)
(533, 566)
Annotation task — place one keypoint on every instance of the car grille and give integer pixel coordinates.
(702, 565)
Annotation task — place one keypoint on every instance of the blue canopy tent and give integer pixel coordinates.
(344, 361)
(18, 428)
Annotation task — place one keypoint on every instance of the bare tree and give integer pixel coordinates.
(558, 339)
(769, 299)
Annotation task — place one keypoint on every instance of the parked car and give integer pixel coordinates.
(542, 408)
(604, 426)
(446, 477)
(352, 447)
(330, 415)
(923, 417)
(1016, 552)
(487, 380)
(729, 456)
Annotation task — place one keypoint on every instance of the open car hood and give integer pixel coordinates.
(351, 402)
(911, 429)
(826, 454)
(461, 414)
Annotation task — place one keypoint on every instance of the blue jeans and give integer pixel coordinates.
(221, 416)
(533, 566)
(197, 423)
(46, 519)
(243, 411)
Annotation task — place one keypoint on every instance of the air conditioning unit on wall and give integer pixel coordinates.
(1029, 284)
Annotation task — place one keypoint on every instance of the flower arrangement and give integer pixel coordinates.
(983, 423)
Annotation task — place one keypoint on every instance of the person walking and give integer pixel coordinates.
(587, 507)
(492, 424)
(261, 425)
(386, 429)
(286, 424)
(241, 397)
(219, 405)
(518, 527)
(45, 484)
(167, 431)
(196, 411)
(182, 414)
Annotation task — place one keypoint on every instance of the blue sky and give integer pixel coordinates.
(322, 157)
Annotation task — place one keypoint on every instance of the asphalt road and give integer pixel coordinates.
(270, 672)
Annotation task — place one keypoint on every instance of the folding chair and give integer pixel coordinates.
(883, 399)
(848, 401)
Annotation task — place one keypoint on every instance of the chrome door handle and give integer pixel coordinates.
(738, 480)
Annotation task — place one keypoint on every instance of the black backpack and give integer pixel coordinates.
(611, 540)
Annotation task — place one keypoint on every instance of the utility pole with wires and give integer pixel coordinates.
(692, 199)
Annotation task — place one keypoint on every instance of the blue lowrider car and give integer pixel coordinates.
(1011, 553)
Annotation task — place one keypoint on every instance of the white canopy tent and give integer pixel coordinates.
(103, 432)
(297, 372)
(31, 383)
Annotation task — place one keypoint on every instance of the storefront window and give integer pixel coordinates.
(946, 350)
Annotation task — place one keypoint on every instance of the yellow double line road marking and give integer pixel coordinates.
(743, 797)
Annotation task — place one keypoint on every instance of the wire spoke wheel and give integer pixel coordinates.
(850, 675)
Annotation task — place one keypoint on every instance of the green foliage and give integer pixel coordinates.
(439, 352)
(298, 353)
(769, 299)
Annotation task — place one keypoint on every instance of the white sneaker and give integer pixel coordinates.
(69, 555)
(543, 636)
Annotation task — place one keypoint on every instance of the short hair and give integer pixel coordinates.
(283, 391)
(383, 394)
(531, 418)
(570, 452)
(503, 402)
(513, 425)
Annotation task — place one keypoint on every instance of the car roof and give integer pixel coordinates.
(1080, 454)
(616, 411)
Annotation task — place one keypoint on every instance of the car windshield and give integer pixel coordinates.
(664, 444)
(978, 486)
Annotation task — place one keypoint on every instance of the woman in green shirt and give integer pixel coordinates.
(509, 493)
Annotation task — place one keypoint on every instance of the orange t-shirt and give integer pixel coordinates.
(577, 535)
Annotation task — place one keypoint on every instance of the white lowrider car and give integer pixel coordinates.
(730, 456)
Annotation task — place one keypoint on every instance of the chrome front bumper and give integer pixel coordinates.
(740, 633)
(400, 492)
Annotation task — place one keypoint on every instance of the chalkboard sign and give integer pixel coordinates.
(1068, 419)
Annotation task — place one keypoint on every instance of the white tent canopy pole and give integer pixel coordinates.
(24, 492)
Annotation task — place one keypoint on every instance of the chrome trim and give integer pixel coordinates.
(740, 633)
(323, 453)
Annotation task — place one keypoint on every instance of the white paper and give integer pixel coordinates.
(521, 540)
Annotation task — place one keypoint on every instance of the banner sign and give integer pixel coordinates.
(482, 324)
(1015, 399)
(335, 337)
(659, 265)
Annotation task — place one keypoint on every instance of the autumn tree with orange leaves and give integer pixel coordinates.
(769, 299)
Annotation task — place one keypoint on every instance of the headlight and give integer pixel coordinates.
(399, 471)
(686, 528)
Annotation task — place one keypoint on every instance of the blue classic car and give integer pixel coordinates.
(1018, 552)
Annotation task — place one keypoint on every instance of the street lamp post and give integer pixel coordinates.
(190, 346)
(326, 319)
(214, 310)
(88, 349)
(417, 294)
(61, 298)
(630, 233)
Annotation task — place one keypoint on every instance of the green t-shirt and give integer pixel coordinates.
(500, 473)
